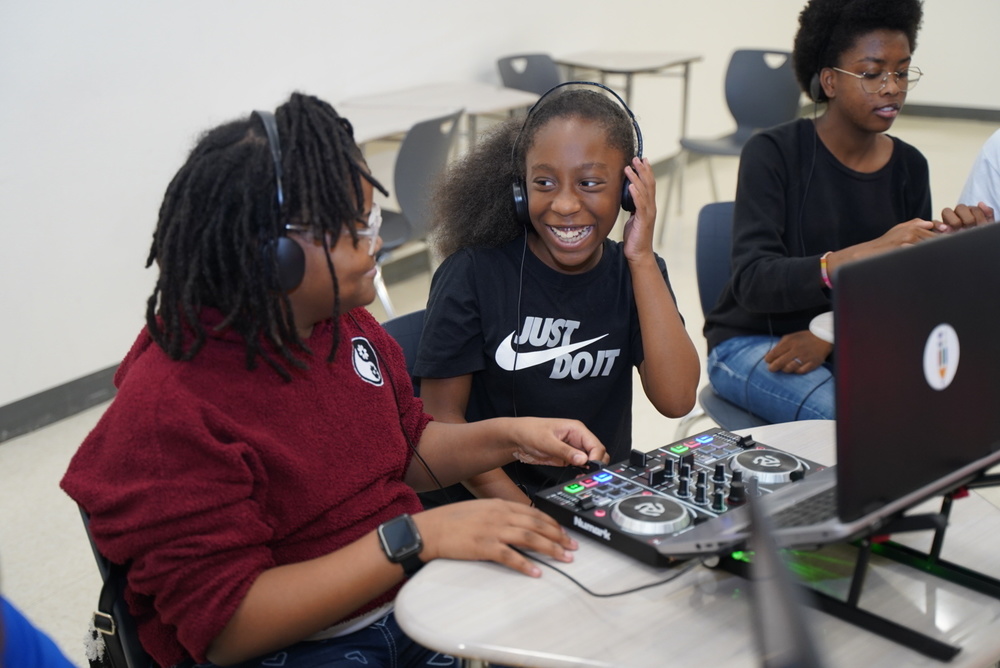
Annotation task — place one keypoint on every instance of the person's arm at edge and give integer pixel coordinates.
(670, 369)
(457, 451)
(447, 399)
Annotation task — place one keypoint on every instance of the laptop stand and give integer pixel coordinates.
(931, 561)
(847, 610)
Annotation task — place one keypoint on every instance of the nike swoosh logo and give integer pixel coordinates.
(510, 360)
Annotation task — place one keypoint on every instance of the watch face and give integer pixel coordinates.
(399, 538)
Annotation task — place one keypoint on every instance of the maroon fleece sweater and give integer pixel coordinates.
(203, 474)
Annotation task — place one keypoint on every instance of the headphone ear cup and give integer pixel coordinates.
(291, 261)
(521, 203)
(816, 89)
(627, 202)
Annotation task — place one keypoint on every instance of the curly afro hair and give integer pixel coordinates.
(828, 28)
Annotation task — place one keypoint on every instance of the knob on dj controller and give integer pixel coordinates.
(719, 500)
(701, 494)
(737, 493)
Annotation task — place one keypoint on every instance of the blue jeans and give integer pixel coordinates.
(739, 374)
(381, 644)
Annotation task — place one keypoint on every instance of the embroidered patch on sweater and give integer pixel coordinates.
(366, 361)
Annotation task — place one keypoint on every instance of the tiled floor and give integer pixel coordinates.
(46, 566)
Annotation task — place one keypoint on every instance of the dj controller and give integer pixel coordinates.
(637, 506)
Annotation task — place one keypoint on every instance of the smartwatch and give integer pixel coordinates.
(401, 543)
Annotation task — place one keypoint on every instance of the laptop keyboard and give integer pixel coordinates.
(815, 509)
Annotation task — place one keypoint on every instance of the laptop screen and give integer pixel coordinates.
(917, 361)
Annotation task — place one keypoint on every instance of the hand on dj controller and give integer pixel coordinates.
(489, 530)
(555, 442)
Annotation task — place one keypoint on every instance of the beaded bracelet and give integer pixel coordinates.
(824, 274)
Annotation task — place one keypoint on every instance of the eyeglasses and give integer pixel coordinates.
(369, 231)
(873, 82)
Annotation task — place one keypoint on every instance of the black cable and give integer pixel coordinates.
(810, 393)
(683, 568)
(513, 372)
(399, 413)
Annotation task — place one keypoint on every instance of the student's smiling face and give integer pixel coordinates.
(574, 182)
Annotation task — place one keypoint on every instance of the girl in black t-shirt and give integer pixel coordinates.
(534, 311)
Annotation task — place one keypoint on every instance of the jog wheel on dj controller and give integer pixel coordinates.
(768, 466)
(650, 515)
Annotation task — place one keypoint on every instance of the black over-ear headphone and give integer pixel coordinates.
(816, 89)
(288, 255)
(520, 189)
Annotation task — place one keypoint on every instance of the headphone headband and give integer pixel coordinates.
(281, 252)
(635, 123)
(274, 142)
(519, 188)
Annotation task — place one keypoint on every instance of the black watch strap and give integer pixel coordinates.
(401, 543)
(411, 565)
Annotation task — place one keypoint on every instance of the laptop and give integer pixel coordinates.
(917, 363)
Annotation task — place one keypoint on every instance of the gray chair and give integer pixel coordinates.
(713, 265)
(423, 155)
(533, 72)
(407, 329)
(112, 620)
(759, 95)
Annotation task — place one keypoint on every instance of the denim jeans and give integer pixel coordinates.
(737, 371)
(381, 644)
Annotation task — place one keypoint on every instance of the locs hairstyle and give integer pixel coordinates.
(828, 28)
(221, 211)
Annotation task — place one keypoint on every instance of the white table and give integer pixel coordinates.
(477, 98)
(374, 123)
(822, 326)
(484, 611)
(630, 63)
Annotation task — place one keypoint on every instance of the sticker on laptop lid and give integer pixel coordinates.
(941, 356)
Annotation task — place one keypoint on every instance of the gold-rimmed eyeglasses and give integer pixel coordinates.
(369, 231)
(873, 82)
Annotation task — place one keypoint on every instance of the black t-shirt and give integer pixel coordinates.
(794, 202)
(573, 338)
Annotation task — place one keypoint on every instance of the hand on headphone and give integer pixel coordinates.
(638, 233)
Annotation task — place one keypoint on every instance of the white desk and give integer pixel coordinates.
(630, 63)
(373, 123)
(477, 98)
(822, 326)
(484, 611)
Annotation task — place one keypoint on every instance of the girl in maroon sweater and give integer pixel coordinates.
(264, 507)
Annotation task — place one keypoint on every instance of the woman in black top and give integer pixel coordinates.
(813, 195)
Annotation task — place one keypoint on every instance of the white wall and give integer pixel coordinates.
(102, 100)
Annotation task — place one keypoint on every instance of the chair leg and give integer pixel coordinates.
(680, 181)
(383, 293)
(675, 176)
(683, 424)
(711, 179)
